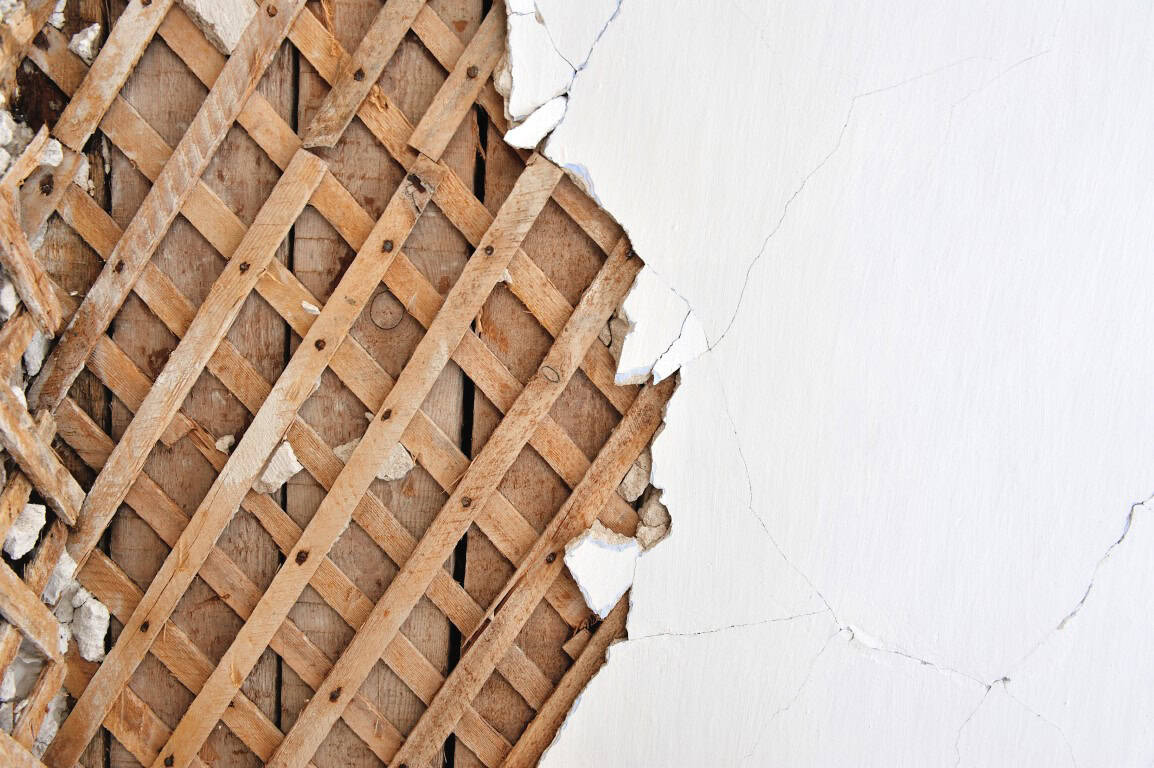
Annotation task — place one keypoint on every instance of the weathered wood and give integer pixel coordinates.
(119, 54)
(14, 755)
(461, 89)
(211, 323)
(525, 590)
(361, 71)
(36, 458)
(172, 188)
(22, 608)
(16, 34)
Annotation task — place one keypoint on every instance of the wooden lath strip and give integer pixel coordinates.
(36, 704)
(23, 608)
(460, 90)
(28, 277)
(24, 20)
(13, 755)
(481, 273)
(172, 187)
(250, 388)
(212, 322)
(245, 462)
(542, 728)
(361, 71)
(19, 488)
(528, 585)
(18, 435)
(471, 494)
(138, 729)
(118, 56)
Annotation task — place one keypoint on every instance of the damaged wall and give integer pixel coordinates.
(901, 250)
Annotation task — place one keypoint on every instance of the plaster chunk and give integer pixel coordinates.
(57, 18)
(8, 298)
(664, 333)
(222, 21)
(281, 466)
(52, 154)
(60, 579)
(537, 72)
(53, 719)
(652, 511)
(529, 132)
(224, 443)
(25, 531)
(636, 480)
(85, 44)
(35, 353)
(89, 627)
(648, 536)
(602, 563)
(396, 465)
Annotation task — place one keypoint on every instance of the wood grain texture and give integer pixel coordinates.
(118, 55)
(361, 71)
(172, 187)
(23, 608)
(36, 458)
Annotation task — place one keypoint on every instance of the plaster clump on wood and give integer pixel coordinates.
(222, 21)
(396, 465)
(281, 466)
(25, 531)
(86, 43)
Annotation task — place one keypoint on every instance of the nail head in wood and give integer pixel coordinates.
(271, 10)
(488, 250)
(244, 265)
(119, 267)
(319, 343)
(549, 558)
(144, 626)
(46, 185)
(302, 556)
(336, 694)
(387, 246)
(472, 71)
(170, 760)
(466, 502)
(387, 414)
(359, 75)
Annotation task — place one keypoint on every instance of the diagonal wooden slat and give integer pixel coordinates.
(115, 62)
(432, 353)
(246, 461)
(361, 71)
(525, 590)
(458, 512)
(211, 323)
(173, 186)
(13, 755)
(18, 435)
(541, 730)
(22, 607)
(462, 87)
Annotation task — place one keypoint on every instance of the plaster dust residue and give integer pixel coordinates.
(906, 461)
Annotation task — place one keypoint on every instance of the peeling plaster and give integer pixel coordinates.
(899, 254)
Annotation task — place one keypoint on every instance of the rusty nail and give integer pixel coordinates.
(270, 10)
(472, 71)
(46, 185)
(170, 760)
(119, 267)
(466, 502)
(144, 626)
(319, 343)
(359, 75)
(549, 558)
(336, 694)
(244, 265)
(302, 556)
(388, 413)
(387, 246)
(488, 250)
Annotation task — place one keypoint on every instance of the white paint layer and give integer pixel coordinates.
(916, 239)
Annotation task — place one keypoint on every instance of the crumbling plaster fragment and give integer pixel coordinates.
(398, 463)
(222, 21)
(282, 465)
(916, 245)
(25, 530)
(601, 561)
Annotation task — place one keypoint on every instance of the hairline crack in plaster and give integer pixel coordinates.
(903, 457)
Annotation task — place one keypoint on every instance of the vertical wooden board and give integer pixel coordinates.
(167, 95)
(359, 161)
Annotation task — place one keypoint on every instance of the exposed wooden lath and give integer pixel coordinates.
(475, 500)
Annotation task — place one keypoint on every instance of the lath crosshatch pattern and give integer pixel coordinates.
(268, 265)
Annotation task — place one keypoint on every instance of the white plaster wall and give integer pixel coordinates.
(903, 470)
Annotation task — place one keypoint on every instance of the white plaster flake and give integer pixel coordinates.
(281, 466)
(86, 43)
(529, 132)
(602, 563)
(222, 21)
(25, 530)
